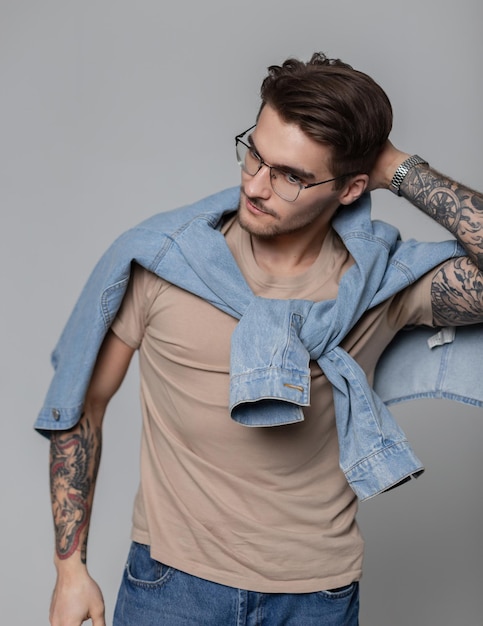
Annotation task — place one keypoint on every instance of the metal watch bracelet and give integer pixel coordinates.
(402, 170)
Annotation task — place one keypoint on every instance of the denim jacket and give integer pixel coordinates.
(274, 339)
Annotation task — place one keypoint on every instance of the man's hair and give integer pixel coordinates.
(335, 105)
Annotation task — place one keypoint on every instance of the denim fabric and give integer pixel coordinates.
(152, 594)
(421, 363)
(274, 339)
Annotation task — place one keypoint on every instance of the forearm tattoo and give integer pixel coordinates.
(454, 206)
(74, 461)
(457, 287)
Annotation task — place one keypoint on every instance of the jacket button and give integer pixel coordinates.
(56, 414)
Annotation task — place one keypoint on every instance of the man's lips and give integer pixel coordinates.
(255, 208)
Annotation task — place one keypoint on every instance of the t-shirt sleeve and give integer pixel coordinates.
(130, 322)
(412, 306)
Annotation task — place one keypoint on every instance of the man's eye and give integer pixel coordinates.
(254, 154)
(292, 179)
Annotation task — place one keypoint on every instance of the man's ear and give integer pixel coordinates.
(354, 189)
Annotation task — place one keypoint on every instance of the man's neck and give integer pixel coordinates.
(288, 255)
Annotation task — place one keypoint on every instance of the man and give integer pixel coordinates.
(234, 522)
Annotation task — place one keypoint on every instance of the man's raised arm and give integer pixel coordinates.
(457, 287)
(74, 462)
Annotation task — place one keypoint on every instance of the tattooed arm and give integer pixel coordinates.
(457, 287)
(74, 462)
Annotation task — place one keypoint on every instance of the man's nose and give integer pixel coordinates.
(259, 185)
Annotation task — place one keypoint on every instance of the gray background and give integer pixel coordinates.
(113, 110)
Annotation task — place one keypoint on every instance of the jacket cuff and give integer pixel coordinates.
(388, 468)
(56, 419)
(270, 396)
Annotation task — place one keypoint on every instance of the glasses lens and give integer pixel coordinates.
(283, 186)
(281, 181)
(247, 159)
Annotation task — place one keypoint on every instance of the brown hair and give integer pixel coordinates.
(335, 105)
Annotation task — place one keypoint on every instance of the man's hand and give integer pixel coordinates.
(75, 600)
(74, 461)
(389, 159)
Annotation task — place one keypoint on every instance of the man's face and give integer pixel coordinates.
(284, 145)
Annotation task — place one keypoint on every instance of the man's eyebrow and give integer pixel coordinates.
(300, 173)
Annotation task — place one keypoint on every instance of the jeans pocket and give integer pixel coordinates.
(340, 592)
(144, 571)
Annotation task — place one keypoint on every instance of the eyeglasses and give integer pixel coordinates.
(286, 184)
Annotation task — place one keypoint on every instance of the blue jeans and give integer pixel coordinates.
(153, 594)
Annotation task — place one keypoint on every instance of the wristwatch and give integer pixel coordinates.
(402, 170)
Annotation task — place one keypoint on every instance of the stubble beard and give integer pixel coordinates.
(275, 229)
(264, 231)
(267, 232)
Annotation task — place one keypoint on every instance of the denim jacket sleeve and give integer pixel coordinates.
(76, 351)
(428, 363)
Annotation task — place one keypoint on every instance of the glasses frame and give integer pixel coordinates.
(238, 139)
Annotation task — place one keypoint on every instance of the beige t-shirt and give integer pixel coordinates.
(264, 509)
